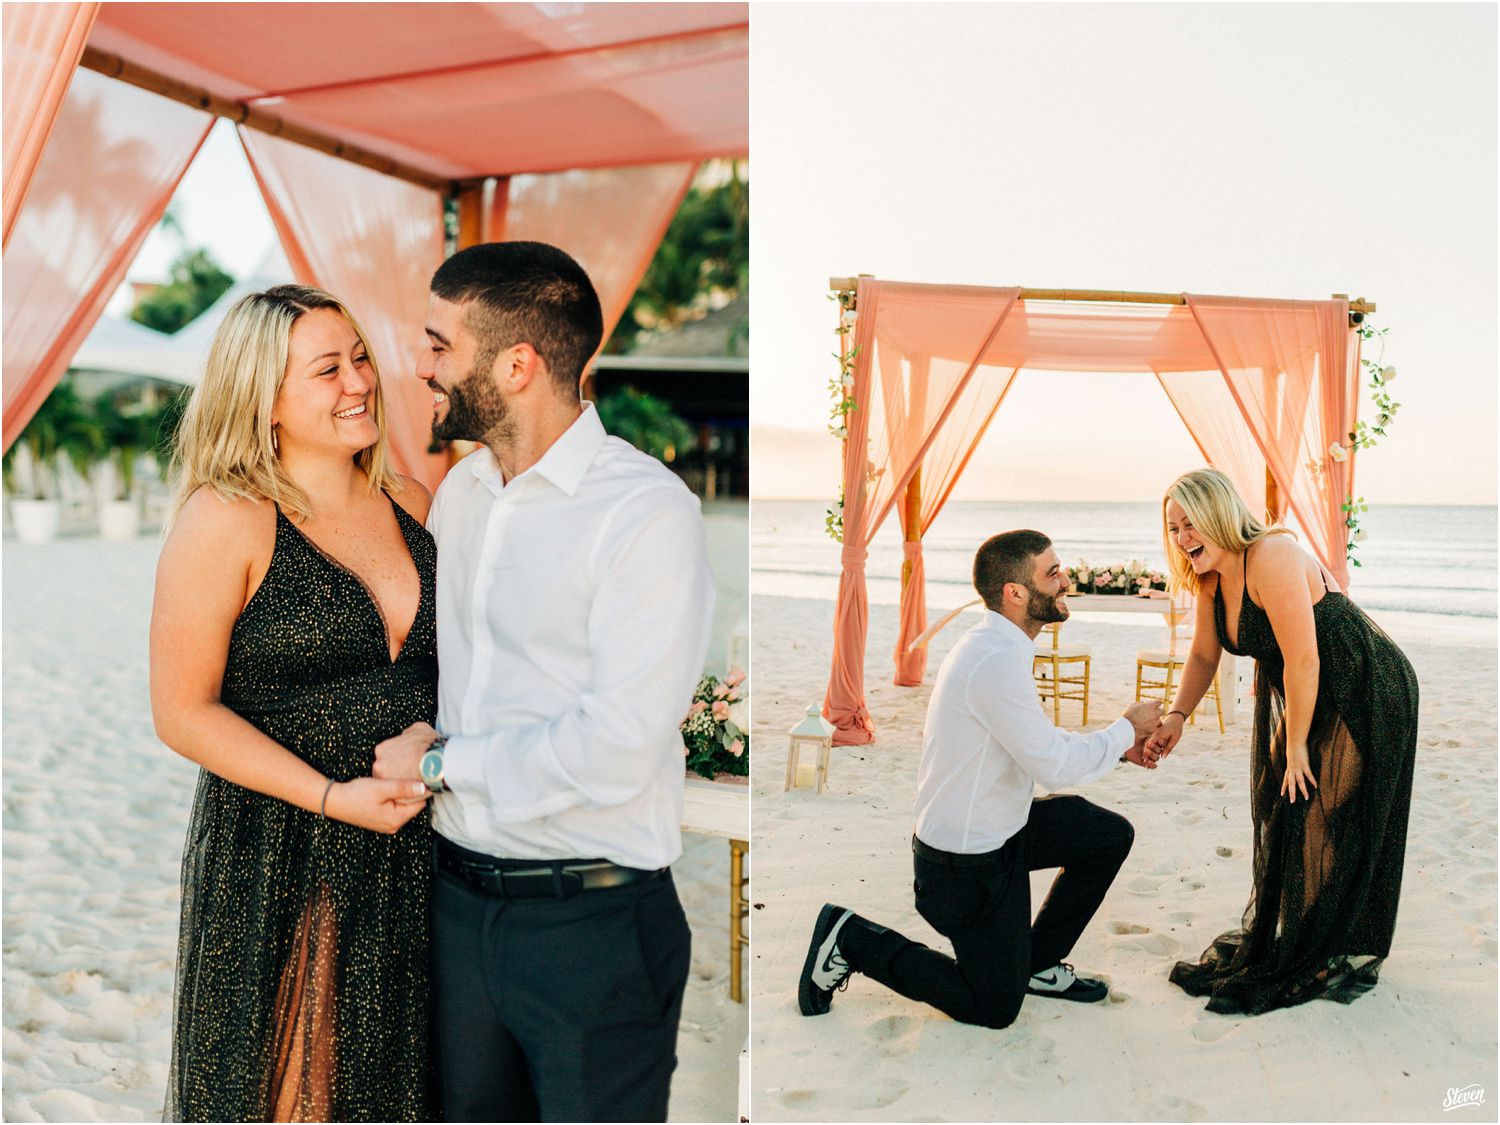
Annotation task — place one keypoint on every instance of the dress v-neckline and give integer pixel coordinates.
(374, 601)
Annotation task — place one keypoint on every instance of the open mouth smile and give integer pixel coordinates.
(352, 412)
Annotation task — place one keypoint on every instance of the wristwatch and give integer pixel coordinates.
(431, 765)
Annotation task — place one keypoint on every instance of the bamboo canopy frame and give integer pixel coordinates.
(846, 287)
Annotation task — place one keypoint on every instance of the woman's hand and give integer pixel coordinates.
(1167, 734)
(380, 806)
(1298, 773)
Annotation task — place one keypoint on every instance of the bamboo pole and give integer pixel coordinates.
(113, 66)
(1114, 296)
(1273, 497)
(913, 522)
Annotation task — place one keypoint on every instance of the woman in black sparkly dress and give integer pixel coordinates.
(293, 630)
(1332, 749)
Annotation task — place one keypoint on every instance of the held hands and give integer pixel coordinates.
(380, 806)
(1298, 774)
(399, 758)
(1168, 733)
(1144, 717)
(1142, 754)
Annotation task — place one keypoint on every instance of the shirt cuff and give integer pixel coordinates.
(1122, 732)
(463, 765)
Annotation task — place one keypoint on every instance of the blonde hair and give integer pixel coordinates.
(225, 439)
(1215, 509)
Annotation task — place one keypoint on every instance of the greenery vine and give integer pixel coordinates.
(1366, 435)
(841, 388)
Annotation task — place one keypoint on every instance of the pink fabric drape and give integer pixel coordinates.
(1257, 383)
(42, 44)
(115, 156)
(373, 242)
(610, 219)
(920, 408)
(1293, 370)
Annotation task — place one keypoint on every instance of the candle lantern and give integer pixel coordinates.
(807, 752)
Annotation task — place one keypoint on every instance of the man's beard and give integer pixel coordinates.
(477, 411)
(1044, 609)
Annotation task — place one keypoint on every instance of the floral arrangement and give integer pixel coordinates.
(1364, 435)
(842, 390)
(1120, 578)
(715, 730)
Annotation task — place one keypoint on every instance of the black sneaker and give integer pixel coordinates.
(1062, 983)
(825, 968)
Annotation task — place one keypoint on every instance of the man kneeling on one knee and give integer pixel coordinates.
(980, 833)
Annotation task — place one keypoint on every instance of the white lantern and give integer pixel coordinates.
(813, 733)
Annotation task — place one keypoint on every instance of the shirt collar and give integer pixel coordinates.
(1004, 628)
(566, 460)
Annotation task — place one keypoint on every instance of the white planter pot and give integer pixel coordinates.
(36, 521)
(119, 520)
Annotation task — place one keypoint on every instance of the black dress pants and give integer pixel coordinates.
(557, 1009)
(982, 904)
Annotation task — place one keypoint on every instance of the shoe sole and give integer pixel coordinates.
(1090, 998)
(812, 1000)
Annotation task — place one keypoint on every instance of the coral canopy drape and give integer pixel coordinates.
(455, 93)
(115, 156)
(610, 219)
(42, 46)
(1262, 385)
(373, 242)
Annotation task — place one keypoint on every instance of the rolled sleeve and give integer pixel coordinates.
(648, 628)
(1002, 693)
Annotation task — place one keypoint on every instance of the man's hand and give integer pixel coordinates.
(399, 758)
(1142, 754)
(1144, 717)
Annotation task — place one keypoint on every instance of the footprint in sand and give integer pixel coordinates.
(1169, 1107)
(877, 1095)
(1213, 1028)
(1031, 1058)
(895, 1035)
(1118, 997)
(1144, 885)
(1223, 851)
(1128, 928)
(1189, 816)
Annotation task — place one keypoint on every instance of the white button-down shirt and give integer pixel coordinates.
(988, 744)
(573, 612)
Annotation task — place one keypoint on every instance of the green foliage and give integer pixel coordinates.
(1365, 435)
(646, 422)
(197, 281)
(63, 426)
(705, 253)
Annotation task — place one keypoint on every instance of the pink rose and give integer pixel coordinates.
(721, 710)
(737, 747)
(735, 677)
(698, 708)
(733, 696)
(721, 690)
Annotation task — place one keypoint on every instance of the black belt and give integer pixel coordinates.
(534, 878)
(957, 859)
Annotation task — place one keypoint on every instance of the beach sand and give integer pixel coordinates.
(95, 812)
(1151, 1052)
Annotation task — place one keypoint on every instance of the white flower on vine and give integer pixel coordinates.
(1387, 374)
(1338, 452)
(841, 431)
(1359, 536)
(847, 382)
(1383, 420)
(850, 316)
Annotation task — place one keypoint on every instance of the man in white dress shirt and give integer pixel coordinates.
(573, 605)
(979, 833)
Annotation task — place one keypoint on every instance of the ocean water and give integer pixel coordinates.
(1435, 562)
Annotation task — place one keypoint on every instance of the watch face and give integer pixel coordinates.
(432, 769)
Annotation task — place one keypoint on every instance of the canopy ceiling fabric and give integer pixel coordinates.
(42, 45)
(1261, 385)
(375, 251)
(466, 89)
(115, 157)
(611, 221)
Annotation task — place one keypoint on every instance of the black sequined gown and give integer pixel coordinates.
(302, 961)
(1327, 871)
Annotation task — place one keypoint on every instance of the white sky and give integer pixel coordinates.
(1255, 150)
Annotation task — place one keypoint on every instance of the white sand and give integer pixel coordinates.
(95, 811)
(1152, 1052)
